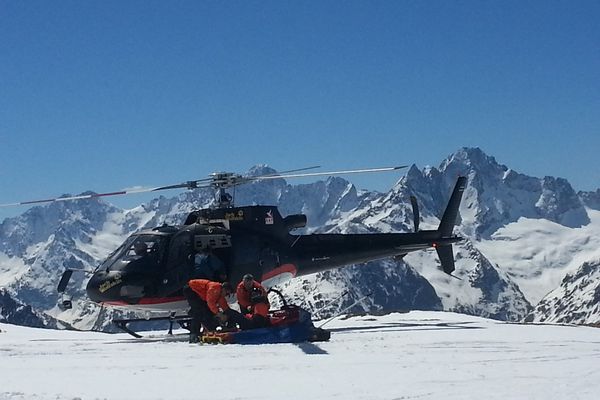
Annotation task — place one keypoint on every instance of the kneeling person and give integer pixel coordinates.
(252, 299)
(208, 300)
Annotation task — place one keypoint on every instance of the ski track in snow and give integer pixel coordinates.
(418, 355)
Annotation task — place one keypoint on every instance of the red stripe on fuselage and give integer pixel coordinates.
(289, 268)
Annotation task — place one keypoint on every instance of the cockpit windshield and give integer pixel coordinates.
(143, 245)
(137, 247)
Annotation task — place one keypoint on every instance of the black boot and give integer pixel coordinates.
(194, 338)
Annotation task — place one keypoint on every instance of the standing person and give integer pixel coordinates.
(208, 303)
(208, 266)
(252, 299)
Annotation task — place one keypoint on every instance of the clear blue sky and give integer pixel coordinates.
(106, 95)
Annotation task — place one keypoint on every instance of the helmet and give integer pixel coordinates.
(248, 277)
(140, 248)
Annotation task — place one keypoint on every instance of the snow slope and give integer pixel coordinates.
(425, 355)
(539, 253)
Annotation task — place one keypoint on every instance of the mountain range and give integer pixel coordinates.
(531, 250)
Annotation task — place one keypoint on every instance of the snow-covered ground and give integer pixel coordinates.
(431, 355)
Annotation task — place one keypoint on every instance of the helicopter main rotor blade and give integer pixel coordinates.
(287, 172)
(200, 183)
(217, 180)
(343, 172)
(80, 197)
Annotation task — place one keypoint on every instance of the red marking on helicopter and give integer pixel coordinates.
(279, 274)
(269, 218)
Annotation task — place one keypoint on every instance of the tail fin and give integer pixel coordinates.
(447, 225)
(449, 218)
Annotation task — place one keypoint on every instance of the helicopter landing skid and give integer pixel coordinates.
(182, 320)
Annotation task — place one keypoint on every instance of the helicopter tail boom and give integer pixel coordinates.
(328, 251)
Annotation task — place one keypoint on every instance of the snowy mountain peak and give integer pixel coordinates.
(577, 300)
(497, 195)
(558, 202)
(261, 169)
(75, 218)
(414, 178)
(591, 199)
(471, 159)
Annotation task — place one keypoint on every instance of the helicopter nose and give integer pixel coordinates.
(103, 286)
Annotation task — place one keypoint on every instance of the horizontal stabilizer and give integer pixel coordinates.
(446, 258)
(64, 280)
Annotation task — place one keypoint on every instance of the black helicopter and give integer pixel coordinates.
(149, 270)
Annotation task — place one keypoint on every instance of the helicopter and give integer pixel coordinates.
(149, 270)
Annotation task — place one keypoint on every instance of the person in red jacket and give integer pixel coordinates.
(252, 299)
(208, 304)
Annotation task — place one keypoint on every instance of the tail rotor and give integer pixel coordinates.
(415, 211)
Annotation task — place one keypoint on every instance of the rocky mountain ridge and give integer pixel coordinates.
(501, 271)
